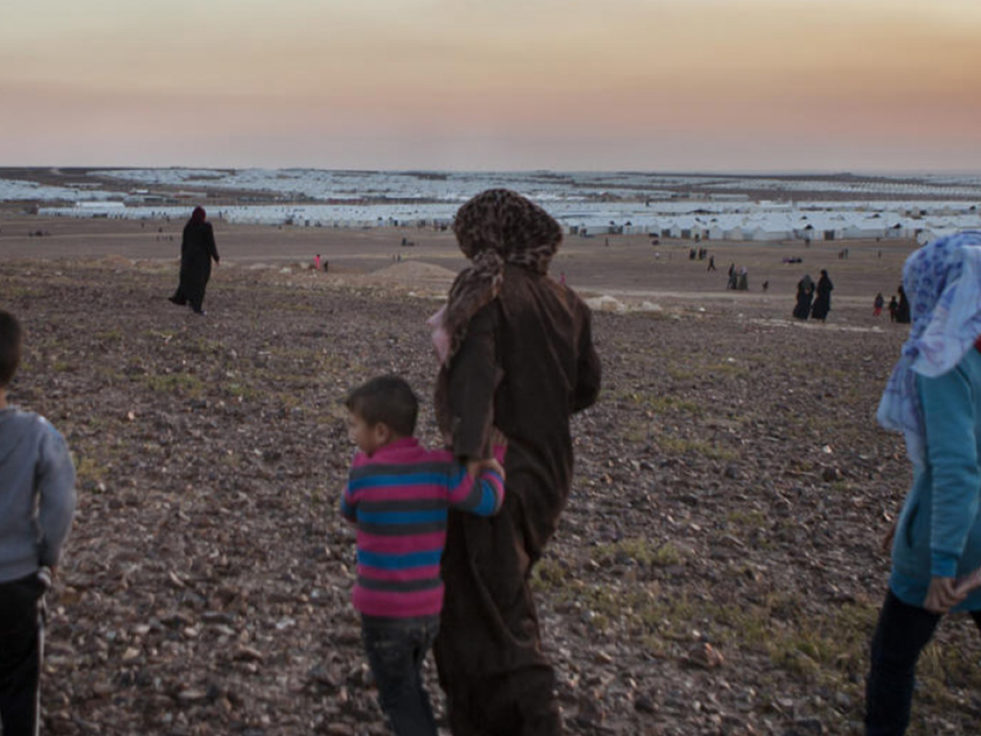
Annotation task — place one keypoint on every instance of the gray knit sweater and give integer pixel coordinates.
(37, 493)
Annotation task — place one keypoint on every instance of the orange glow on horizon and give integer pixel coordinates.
(561, 78)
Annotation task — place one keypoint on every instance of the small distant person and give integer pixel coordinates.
(197, 251)
(766, 285)
(877, 304)
(397, 496)
(805, 295)
(37, 502)
(822, 302)
(733, 281)
(316, 262)
(327, 264)
(934, 398)
(893, 308)
(902, 310)
(743, 283)
(711, 266)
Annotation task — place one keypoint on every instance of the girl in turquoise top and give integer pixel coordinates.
(934, 398)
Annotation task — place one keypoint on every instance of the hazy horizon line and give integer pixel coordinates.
(531, 170)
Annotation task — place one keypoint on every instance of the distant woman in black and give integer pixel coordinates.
(805, 294)
(822, 303)
(197, 250)
(902, 311)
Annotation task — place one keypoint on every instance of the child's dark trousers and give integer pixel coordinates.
(396, 650)
(21, 639)
(902, 632)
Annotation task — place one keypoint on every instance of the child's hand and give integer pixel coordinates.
(941, 595)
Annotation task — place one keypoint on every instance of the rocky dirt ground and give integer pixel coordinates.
(717, 570)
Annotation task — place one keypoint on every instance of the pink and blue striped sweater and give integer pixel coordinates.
(398, 498)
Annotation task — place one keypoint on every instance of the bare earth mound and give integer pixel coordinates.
(415, 275)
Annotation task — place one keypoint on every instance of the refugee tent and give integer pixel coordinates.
(768, 233)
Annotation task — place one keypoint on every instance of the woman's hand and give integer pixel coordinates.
(889, 536)
(941, 595)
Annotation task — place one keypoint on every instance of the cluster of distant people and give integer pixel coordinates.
(738, 278)
(814, 300)
(898, 307)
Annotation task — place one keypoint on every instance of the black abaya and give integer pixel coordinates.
(197, 250)
(805, 294)
(822, 303)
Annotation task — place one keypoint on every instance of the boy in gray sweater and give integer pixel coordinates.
(37, 500)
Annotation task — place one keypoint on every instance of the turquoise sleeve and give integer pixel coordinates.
(949, 408)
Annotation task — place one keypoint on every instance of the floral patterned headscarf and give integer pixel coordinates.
(495, 227)
(943, 283)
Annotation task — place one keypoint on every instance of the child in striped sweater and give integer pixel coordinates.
(397, 496)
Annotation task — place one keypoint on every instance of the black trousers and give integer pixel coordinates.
(396, 651)
(902, 632)
(21, 647)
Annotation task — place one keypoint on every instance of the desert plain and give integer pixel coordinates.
(718, 569)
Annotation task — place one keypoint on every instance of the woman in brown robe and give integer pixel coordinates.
(520, 361)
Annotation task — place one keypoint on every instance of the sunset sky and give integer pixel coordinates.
(668, 85)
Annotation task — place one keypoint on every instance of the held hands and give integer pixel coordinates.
(942, 594)
(476, 467)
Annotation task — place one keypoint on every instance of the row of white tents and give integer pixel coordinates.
(756, 222)
(830, 225)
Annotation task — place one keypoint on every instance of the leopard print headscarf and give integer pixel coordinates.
(495, 227)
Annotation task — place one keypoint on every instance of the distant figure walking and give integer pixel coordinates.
(822, 303)
(197, 251)
(902, 311)
(878, 304)
(711, 263)
(316, 262)
(743, 282)
(893, 308)
(805, 295)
